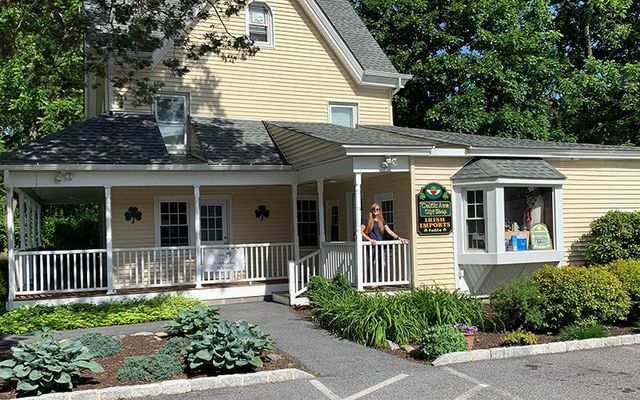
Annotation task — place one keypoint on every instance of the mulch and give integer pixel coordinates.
(138, 346)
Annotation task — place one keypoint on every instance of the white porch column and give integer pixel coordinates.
(196, 206)
(23, 225)
(10, 242)
(294, 220)
(321, 230)
(109, 234)
(358, 221)
(39, 229)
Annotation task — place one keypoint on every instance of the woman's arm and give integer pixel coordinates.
(364, 235)
(394, 235)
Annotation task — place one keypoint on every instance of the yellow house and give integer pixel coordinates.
(244, 180)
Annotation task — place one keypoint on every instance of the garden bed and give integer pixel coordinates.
(148, 344)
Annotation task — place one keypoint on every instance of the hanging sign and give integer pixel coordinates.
(434, 210)
(223, 260)
(540, 238)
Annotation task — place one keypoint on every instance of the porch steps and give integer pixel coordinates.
(283, 298)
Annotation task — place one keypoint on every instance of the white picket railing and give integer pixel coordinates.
(339, 257)
(256, 262)
(60, 271)
(386, 263)
(300, 272)
(154, 267)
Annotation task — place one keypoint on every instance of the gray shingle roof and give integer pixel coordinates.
(136, 139)
(236, 142)
(356, 35)
(464, 139)
(343, 135)
(524, 168)
(119, 139)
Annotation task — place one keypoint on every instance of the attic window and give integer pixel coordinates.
(260, 24)
(171, 115)
(343, 114)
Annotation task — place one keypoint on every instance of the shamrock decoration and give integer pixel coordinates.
(133, 215)
(422, 196)
(262, 212)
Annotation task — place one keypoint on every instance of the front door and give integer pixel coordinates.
(213, 222)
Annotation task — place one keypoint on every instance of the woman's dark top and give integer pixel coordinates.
(375, 233)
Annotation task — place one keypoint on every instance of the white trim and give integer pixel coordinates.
(358, 218)
(573, 154)
(384, 150)
(190, 216)
(226, 235)
(271, 34)
(109, 238)
(10, 240)
(320, 217)
(511, 257)
(353, 105)
(509, 181)
(153, 178)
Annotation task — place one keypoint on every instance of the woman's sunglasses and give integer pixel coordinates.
(375, 209)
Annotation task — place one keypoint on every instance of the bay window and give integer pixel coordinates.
(474, 220)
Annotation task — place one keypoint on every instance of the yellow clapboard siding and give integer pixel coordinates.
(433, 255)
(294, 80)
(592, 188)
(245, 227)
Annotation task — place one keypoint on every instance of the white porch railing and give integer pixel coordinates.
(386, 264)
(339, 257)
(154, 267)
(260, 262)
(300, 272)
(60, 271)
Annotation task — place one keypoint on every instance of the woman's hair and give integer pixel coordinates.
(369, 227)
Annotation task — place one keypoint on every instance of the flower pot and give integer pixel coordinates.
(469, 337)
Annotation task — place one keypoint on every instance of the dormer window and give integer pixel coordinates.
(171, 115)
(260, 24)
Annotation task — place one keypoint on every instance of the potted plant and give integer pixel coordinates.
(469, 333)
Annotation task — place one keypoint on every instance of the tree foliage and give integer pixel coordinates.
(560, 70)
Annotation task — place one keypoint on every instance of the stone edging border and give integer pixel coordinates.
(177, 386)
(547, 348)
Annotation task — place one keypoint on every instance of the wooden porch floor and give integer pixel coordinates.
(142, 291)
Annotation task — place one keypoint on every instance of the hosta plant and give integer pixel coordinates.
(45, 364)
(192, 321)
(228, 346)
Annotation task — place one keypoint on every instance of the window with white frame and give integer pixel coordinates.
(387, 208)
(475, 220)
(334, 222)
(174, 223)
(307, 222)
(171, 115)
(526, 207)
(260, 24)
(343, 114)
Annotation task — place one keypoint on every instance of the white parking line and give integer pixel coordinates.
(471, 392)
(479, 386)
(327, 392)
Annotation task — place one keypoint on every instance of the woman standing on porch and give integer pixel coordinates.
(373, 228)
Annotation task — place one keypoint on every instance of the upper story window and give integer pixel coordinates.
(260, 24)
(343, 114)
(171, 115)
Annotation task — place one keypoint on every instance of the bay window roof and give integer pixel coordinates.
(515, 168)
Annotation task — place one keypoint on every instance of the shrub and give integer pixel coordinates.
(628, 271)
(45, 364)
(148, 368)
(371, 320)
(99, 344)
(583, 331)
(614, 236)
(191, 321)
(71, 226)
(228, 346)
(4, 281)
(78, 315)
(519, 338)
(517, 304)
(578, 294)
(441, 339)
(175, 346)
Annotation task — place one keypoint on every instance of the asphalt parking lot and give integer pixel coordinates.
(346, 370)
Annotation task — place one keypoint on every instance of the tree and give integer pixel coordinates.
(43, 59)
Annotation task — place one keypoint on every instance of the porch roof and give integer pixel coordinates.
(134, 139)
